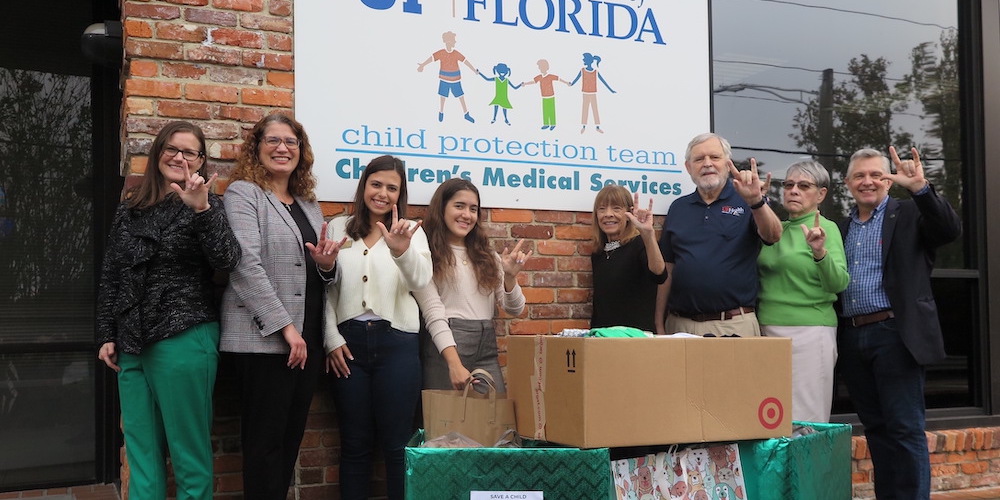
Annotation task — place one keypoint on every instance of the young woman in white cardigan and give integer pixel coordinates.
(371, 327)
(470, 278)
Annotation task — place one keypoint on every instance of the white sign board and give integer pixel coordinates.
(540, 103)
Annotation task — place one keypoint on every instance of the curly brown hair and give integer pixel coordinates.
(249, 168)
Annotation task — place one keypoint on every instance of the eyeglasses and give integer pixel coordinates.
(290, 142)
(188, 154)
(803, 185)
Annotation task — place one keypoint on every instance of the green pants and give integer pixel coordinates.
(166, 400)
(549, 111)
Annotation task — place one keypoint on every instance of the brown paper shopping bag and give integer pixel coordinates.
(483, 418)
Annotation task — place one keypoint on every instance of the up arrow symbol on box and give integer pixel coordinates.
(571, 360)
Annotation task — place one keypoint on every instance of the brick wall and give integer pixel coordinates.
(960, 459)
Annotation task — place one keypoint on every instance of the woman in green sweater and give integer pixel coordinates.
(800, 277)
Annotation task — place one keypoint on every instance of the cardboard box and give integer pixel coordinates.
(608, 392)
(549, 471)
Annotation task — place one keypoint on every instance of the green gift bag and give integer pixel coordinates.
(815, 466)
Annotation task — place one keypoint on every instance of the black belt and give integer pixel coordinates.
(867, 319)
(715, 316)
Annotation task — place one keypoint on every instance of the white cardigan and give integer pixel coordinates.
(371, 279)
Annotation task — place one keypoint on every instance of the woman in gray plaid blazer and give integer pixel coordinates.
(272, 310)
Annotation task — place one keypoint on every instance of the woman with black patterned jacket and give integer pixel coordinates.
(157, 322)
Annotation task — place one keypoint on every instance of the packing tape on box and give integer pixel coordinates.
(538, 387)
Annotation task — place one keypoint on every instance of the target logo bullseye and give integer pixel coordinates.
(770, 413)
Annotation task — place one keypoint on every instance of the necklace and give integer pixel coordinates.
(288, 206)
(610, 247)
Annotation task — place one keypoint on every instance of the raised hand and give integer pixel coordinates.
(642, 219)
(909, 173)
(513, 260)
(398, 237)
(747, 182)
(325, 251)
(815, 238)
(194, 193)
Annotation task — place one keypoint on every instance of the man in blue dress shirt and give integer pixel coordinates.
(889, 323)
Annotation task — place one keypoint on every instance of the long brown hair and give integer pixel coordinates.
(477, 246)
(612, 195)
(301, 183)
(153, 187)
(360, 223)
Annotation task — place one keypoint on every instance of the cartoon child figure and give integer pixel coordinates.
(450, 75)
(501, 82)
(590, 77)
(545, 85)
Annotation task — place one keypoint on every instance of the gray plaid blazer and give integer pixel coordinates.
(267, 289)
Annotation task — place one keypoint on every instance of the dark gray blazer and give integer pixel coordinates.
(267, 289)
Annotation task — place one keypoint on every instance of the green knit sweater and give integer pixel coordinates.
(795, 290)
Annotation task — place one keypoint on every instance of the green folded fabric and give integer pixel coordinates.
(617, 332)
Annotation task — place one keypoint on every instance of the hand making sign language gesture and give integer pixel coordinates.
(325, 251)
(513, 260)
(397, 237)
(748, 183)
(642, 219)
(195, 191)
(815, 238)
(909, 173)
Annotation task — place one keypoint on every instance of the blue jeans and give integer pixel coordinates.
(378, 399)
(887, 388)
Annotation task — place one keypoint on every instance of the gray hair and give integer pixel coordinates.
(700, 138)
(812, 169)
(865, 153)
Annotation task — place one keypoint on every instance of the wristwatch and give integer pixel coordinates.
(763, 201)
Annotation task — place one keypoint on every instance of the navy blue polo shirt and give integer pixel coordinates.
(714, 251)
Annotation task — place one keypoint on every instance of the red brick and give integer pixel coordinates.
(220, 130)
(266, 23)
(531, 232)
(557, 217)
(539, 295)
(141, 68)
(217, 93)
(142, 125)
(510, 215)
(133, 9)
(138, 106)
(571, 295)
(200, 3)
(229, 482)
(184, 70)
(228, 463)
(574, 232)
(574, 263)
(315, 457)
(536, 263)
(138, 29)
(215, 54)
(224, 151)
(177, 109)
(212, 17)
(551, 279)
(137, 165)
(256, 59)
(244, 5)
(529, 327)
(556, 248)
(321, 492)
(550, 311)
(240, 113)
(154, 50)
(280, 7)
(237, 76)
(267, 97)
(284, 80)
(237, 37)
(180, 32)
(972, 468)
(277, 41)
(152, 88)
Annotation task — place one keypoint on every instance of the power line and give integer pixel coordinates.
(871, 14)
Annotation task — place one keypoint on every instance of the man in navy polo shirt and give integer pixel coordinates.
(889, 322)
(710, 243)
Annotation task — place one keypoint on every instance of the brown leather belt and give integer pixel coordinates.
(717, 316)
(867, 319)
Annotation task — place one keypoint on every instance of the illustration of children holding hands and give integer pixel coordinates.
(501, 82)
(545, 83)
